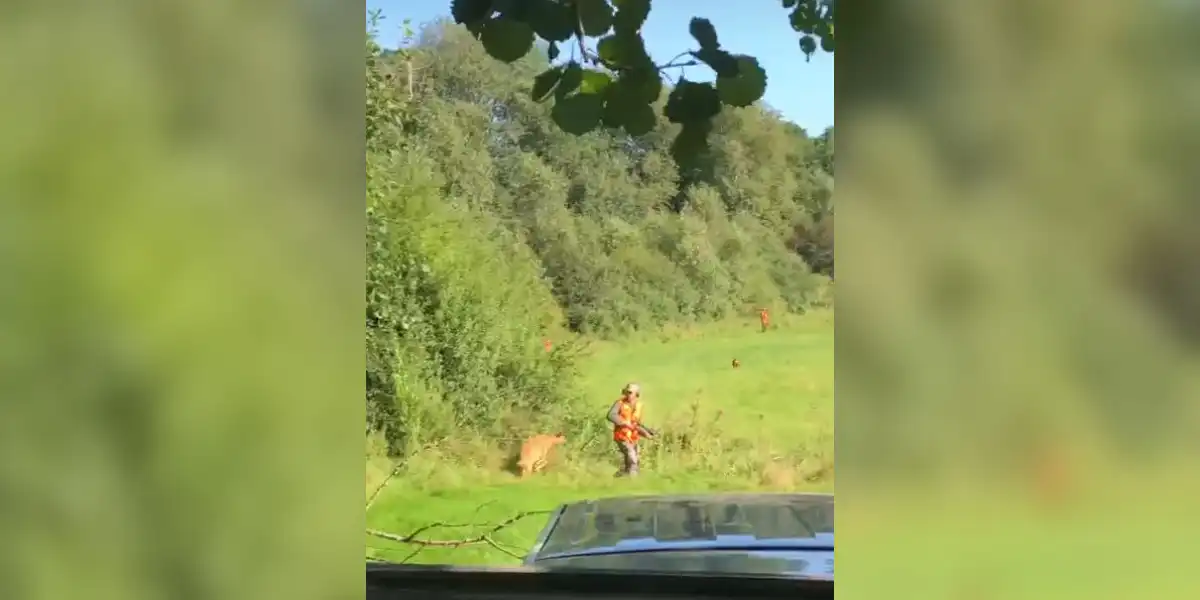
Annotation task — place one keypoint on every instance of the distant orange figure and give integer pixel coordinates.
(547, 345)
(626, 418)
(764, 318)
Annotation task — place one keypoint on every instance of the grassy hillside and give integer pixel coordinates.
(774, 431)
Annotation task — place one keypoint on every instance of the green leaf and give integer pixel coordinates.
(722, 63)
(476, 27)
(470, 11)
(578, 114)
(822, 29)
(799, 20)
(827, 44)
(691, 102)
(552, 21)
(616, 106)
(789, 3)
(572, 77)
(631, 15)
(610, 49)
(808, 45)
(691, 143)
(641, 84)
(552, 51)
(704, 33)
(747, 87)
(623, 50)
(619, 101)
(516, 9)
(594, 82)
(595, 16)
(640, 120)
(506, 39)
(544, 83)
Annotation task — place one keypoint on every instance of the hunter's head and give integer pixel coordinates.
(631, 391)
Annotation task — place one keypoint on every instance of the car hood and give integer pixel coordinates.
(730, 522)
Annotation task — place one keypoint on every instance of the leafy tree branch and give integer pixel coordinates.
(484, 537)
(617, 84)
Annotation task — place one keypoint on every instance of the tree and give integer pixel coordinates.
(616, 83)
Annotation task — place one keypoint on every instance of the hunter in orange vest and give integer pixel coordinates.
(626, 417)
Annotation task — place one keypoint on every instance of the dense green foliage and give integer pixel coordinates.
(490, 229)
(615, 82)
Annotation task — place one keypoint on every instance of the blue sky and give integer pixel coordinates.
(802, 91)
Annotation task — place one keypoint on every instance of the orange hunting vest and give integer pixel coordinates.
(630, 412)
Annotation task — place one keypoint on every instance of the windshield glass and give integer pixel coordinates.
(733, 521)
(794, 563)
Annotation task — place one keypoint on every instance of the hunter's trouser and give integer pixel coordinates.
(629, 453)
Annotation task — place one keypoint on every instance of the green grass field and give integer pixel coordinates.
(767, 425)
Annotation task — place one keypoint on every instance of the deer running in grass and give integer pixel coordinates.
(536, 451)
